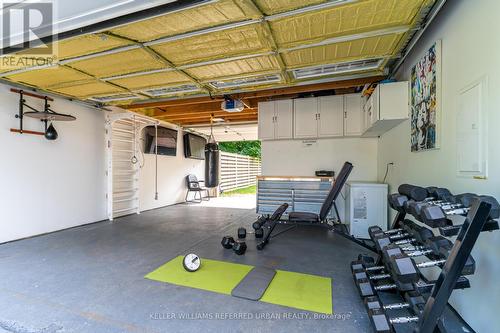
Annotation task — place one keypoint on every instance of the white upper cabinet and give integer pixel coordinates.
(331, 116)
(353, 115)
(306, 118)
(283, 110)
(386, 108)
(266, 120)
(275, 120)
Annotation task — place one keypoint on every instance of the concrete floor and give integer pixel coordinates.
(91, 278)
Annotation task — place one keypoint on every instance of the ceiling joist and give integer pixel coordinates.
(248, 49)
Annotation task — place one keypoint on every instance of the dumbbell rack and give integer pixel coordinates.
(436, 307)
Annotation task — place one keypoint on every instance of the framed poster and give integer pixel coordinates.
(425, 100)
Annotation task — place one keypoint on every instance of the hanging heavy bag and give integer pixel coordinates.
(211, 164)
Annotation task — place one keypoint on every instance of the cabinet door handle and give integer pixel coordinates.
(319, 116)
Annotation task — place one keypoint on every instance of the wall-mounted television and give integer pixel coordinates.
(167, 141)
(194, 146)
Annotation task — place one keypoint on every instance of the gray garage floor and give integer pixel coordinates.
(90, 279)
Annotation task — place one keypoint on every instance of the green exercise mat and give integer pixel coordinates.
(300, 291)
(295, 290)
(213, 275)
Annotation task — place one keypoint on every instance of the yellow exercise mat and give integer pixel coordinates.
(300, 291)
(213, 275)
(295, 290)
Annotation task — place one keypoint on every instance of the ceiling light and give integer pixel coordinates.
(185, 88)
(112, 98)
(246, 81)
(339, 68)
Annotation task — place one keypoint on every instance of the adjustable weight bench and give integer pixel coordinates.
(307, 218)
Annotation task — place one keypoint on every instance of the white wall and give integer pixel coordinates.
(294, 158)
(172, 171)
(50, 185)
(470, 50)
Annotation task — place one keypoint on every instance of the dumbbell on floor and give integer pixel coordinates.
(239, 247)
(242, 233)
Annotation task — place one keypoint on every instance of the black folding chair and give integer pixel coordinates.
(307, 218)
(193, 185)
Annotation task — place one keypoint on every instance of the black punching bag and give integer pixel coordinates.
(211, 164)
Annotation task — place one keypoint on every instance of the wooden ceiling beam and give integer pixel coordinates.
(261, 93)
(220, 114)
(228, 121)
(225, 117)
(192, 109)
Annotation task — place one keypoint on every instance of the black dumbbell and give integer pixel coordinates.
(413, 192)
(381, 323)
(415, 208)
(359, 274)
(412, 232)
(227, 242)
(367, 287)
(239, 247)
(259, 233)
(439, 193)
(396, 201)
(405, 269)
(242, 233)
(460, 206)
(420, 233)
(259, 223)
(413, 300)
(433, 246)
(375, 229)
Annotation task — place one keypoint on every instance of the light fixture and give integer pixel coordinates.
(338, 68)
(252, 80)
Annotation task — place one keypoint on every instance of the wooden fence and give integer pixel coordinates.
(238, 171)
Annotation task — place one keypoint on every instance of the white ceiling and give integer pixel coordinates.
(73, 14)
(227, 132)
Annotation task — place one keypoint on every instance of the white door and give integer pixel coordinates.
(331, 116)
(353, 125)
(306, 117)
(283, 119)
(266, 120)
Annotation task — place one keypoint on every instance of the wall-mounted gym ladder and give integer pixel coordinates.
(124, 162)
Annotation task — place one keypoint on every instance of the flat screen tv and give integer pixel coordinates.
(194, 146)
(167, 141)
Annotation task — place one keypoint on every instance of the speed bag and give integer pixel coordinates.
(211, 165)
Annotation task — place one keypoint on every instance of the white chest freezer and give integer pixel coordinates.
(366, 205)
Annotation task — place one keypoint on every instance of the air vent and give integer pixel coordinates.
(246, 81)
(112, 98)
(340, 68)
(186, 88)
